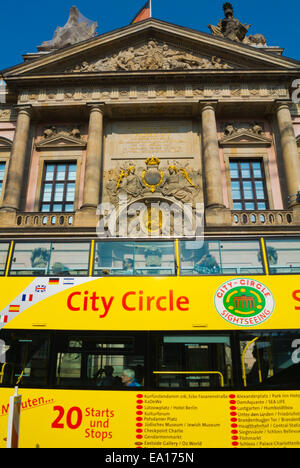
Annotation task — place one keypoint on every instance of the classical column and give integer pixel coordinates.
(211, 163)
(15, 173)
(289, 148)
(92, 177)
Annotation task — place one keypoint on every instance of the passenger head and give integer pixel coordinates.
(128, 376)
(128, 264)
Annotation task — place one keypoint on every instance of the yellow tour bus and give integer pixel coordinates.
(179, 344)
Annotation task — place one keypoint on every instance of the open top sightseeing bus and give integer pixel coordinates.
(157, 344)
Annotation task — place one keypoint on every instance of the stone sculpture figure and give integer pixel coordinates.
(231, 28)
(76, 29)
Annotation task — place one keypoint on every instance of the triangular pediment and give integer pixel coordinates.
(154, 46)
(5, 144)
(61, 141)
(244, 137)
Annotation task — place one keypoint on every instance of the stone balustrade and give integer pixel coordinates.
(262, 218)
(47, 220)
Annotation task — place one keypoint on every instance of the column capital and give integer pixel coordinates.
(25, 109)
(282, 104)
(208, 104)
(96, 106)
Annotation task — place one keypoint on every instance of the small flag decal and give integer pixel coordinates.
(68, 281)
(27, 298)
(14, 308)
(54, 281)
(40, 289)
(3, 318)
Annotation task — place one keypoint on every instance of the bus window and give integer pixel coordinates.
(283, 256)
(216, 257)
(134, 259)
(270, 359)
(26, 359)
(194, 362)
(102, 362)
(4, 248)
(50, 259)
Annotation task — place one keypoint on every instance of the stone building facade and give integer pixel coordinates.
(157, 113)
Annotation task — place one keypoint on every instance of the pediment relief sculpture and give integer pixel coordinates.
(54, 137)
(244, 133)
(231, 28)
(151, 56)
(172, 181)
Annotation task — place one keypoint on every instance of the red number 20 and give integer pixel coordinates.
(61, 411)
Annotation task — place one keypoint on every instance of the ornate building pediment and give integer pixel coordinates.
(53, 139)
(151, 55)
(151, 45)
(247, 134)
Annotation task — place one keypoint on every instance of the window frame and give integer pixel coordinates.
(252, 179)
(54, 183)
(49, 241)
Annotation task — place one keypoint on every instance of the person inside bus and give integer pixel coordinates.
(260, 365)
(128, 378)
(107, 380)
(207, 265)
(127, 268)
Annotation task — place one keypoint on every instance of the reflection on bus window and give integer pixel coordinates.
(50, 259)
(194, 362)
(134, 259)
(26, 360)
(268, 359)
(100, 362)
(4, 248)
(215, 257)
(283, 255)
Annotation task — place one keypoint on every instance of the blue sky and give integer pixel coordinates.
(25, 25)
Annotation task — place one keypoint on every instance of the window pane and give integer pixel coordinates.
(70, 195)
(220, 257)
(134, 258)
(202, 362)
(59, 192)
(60, 172)
(200, 257)
(100, 361)
(72, 172)
(30, 259)
(283, 255)
(47, 193)
(27, 356)
(267, 359)
(49, 171)
(70, 259)
(245, 169)
(4, 248)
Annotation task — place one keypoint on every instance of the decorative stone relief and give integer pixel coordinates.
(62, 137)
(152, 178)
(151, 56)
(152, 92)
(241, 133)
(7, 115)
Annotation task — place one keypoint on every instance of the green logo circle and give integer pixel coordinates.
(244, 301)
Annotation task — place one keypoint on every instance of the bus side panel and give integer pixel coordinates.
(104, 419)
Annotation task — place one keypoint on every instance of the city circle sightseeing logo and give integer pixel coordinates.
(244, 302)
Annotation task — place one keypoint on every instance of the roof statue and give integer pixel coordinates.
(231, 28)
(77, 29)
